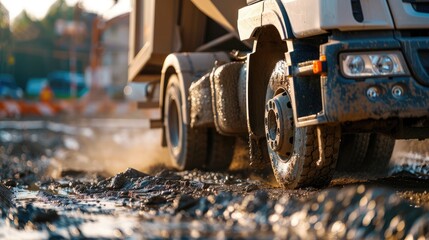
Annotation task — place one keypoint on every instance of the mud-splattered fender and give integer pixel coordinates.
(188, 67)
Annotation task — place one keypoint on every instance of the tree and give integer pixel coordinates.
(5, 40)
(39, 49)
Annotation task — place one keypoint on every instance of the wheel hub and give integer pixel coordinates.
(279, 124)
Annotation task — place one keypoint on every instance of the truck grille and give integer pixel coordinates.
(419, 5)
(416, 52)
(424, 59)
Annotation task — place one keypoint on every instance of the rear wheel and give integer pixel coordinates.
(220, 151)
(378, 155)
(353, 149)
(190, 148)
(304, 156)
(187, 146)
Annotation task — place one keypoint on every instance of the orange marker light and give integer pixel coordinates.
(318, 65)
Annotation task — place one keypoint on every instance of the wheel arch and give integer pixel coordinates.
(265, 13)
(268, 49)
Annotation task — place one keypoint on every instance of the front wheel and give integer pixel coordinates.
(300, 157)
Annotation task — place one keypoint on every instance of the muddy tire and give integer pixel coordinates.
(187, 146)
(220, 151)
(353, 149)
(297, 157)
(306, 166)
(378, 155)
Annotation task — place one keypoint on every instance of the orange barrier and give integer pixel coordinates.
(17, 109)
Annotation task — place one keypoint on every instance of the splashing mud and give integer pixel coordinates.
(411, 157)
(90, 145)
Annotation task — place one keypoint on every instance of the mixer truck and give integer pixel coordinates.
(313, 86)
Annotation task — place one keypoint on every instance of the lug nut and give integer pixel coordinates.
(398, 91)
(373, 93)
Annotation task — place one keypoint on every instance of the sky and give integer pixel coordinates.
(39, 8)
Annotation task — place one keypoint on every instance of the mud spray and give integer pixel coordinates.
(411, 157)
(111, 146)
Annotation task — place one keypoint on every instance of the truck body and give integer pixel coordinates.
(313, 86)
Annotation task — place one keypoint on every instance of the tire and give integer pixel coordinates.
(187, 146)
(353, 149)
(378, 155)
(220, 151)
(295, 156)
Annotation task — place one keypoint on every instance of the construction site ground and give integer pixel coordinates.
(109, 178)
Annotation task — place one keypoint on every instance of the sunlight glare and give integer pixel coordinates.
(39, 8)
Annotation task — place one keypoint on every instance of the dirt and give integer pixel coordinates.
(60, 180)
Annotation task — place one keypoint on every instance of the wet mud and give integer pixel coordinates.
(54, 185)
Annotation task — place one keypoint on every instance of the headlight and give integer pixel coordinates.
(373, 64)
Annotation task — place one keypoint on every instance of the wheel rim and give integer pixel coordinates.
(174, 123)
(279, 125)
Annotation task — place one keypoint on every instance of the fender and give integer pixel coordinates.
(189, 67)
(264, 13)
(268, 50)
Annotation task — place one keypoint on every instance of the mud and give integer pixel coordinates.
(54, 185)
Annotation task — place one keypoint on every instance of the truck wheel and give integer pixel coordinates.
(353, 149)
(187, 146)
(220, 151)
(378, 155)
(294, 152)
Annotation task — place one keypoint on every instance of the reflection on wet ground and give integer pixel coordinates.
(58, 181)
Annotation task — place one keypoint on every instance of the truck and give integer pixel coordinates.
(313, 86)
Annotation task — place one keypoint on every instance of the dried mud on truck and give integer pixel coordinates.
(314, 87)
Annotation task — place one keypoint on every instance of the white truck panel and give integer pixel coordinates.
(320, 15)
(376, 16)
(406, 17)
(305, 16)
(314, 17)
(249, 18)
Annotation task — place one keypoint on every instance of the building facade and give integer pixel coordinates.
(115, 50)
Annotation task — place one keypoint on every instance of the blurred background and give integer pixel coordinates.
(58, 51)
(63, 85)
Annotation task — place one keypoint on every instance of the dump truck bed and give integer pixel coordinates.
(160, 27)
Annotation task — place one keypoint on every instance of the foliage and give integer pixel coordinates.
(5, 40)
(39, 49)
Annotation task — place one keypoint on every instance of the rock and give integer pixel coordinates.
(32, 215)
(11, 183)
(168, 175)
(117, 181)
(5, 200)
(120, 179)
(155, 200)
(184, 202)
(251, 187)
(132, 173)
(253, 203)
(143, 183)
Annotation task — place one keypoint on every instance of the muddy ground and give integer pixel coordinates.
(108, 178)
